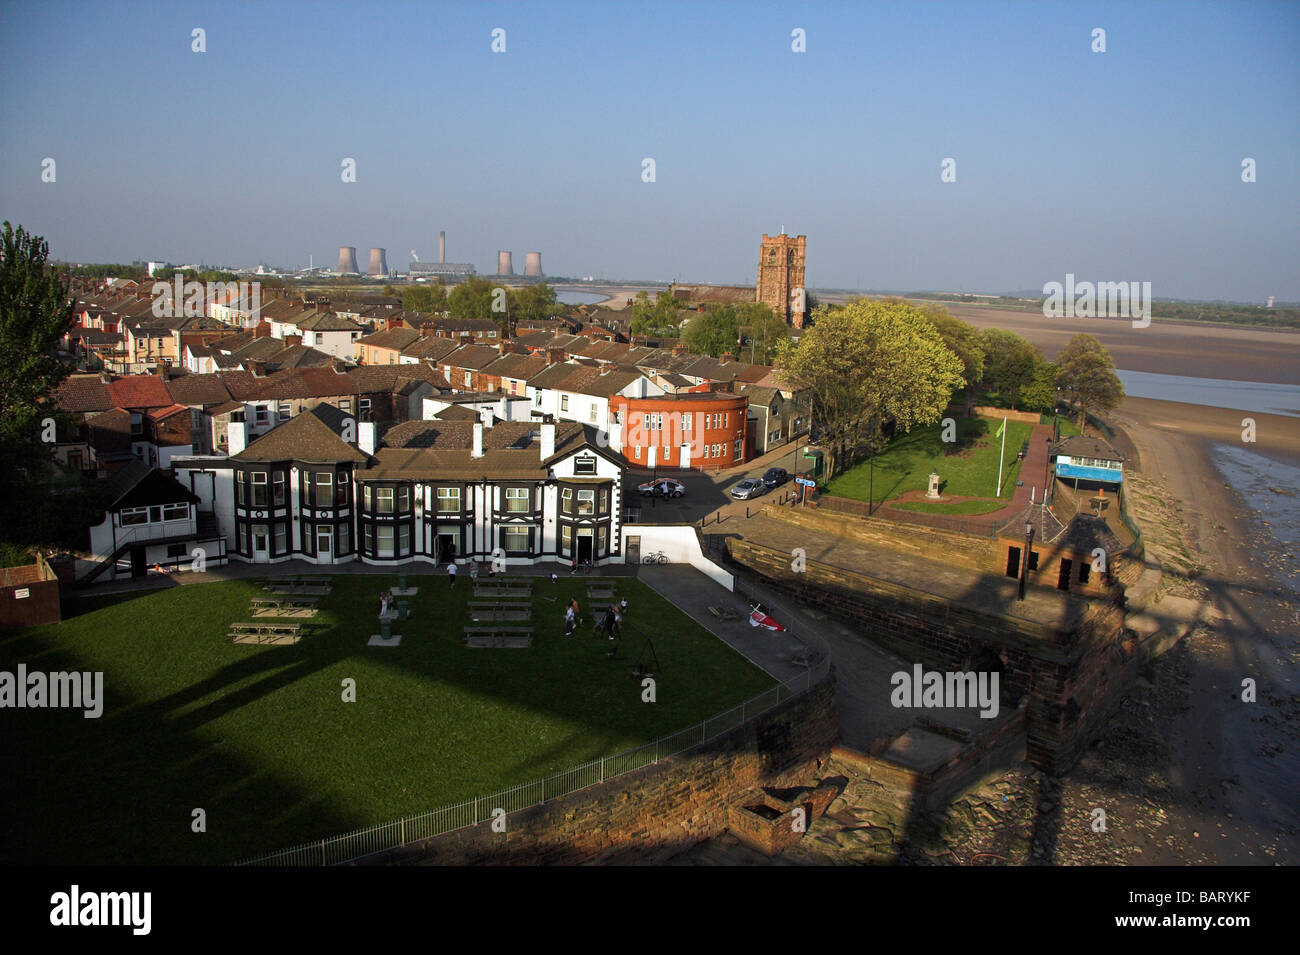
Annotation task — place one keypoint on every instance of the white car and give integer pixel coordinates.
(663, 487)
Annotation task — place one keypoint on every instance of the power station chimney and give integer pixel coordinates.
(504, 265)
(348, 259)
(533, 264)
(378, 262)
(442, 247)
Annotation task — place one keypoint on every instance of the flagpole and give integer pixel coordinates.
(1001, 455)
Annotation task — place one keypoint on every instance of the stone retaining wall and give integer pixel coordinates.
(1074, 678)
(658, 809)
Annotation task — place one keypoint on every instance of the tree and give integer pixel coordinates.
(425, 298)
(473, 298)
(1009, 365)
(1039, 393)
(1086, 374)
(531, 303)
(962, 339)
(35, 313)
(867, 362)
(715, 331)
(763, 329)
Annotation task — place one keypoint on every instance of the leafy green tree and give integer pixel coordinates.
(531, 303)
(1087, 377)
(35, 313)
(473, 298)
(1040, 392)
(962, 339)
(868, 362)
(1009, 364)
(762, 332)
(715, 331)
(425, 298)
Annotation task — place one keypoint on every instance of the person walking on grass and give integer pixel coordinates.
(570, 621)
(451, 573)
(473, 571)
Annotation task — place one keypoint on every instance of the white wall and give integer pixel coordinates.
(682, 546)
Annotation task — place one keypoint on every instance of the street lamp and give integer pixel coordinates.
(1029, 543)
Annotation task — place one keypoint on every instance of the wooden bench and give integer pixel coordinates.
(498, 638)
(480, 610)
(266, 631)
(284, 606)
(602, 592)
(723, 614)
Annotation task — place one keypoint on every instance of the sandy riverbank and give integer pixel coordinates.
(1164, 348)
(1234, 767)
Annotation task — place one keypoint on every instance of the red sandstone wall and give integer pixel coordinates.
(666, 806)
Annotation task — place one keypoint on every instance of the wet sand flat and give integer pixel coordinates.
(1163, 348)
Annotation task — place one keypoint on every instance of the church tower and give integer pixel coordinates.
(780, 276)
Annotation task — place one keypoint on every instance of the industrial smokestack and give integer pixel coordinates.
(504, 265)
(348, 258)
(533, 263)
(442, 247)
(378, 262)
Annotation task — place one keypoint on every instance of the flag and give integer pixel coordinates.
(1002, 427)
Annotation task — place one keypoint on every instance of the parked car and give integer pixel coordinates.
(775, 477)
(664, 487)
(750, 487)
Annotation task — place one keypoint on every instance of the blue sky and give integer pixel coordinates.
(1123, 165)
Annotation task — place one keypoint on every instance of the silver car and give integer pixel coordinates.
(750, 487)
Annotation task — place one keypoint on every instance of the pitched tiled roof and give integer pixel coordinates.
(139, 391)
(430, 348)
(443, 451)
(313, 437)
(395, 338)
(472, 357)
(328, 322)
(305, 383)
(198, 390)
(81, 393)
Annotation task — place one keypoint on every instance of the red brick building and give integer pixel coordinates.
(704, 430)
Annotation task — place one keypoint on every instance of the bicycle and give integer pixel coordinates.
(658, 557)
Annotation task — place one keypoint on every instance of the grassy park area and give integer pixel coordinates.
(260, 738)
(968, 467)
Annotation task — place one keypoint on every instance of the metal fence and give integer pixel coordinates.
(392, 835)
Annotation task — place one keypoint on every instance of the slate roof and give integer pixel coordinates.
(442, 451)
(312, 437)
(395, 338)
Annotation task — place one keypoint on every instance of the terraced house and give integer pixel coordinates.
(320, 488)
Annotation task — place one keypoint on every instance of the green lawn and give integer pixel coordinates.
(952, 507)
(967, 467)
(260, 738)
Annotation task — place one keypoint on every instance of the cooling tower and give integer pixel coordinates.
(504, 265)
(378, 262)
(533, 263)
(442, 247)
(348, 259)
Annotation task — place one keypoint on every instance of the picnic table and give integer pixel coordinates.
(486, 636)
(299, 590)
(481, 610)
(266, 631)
(285, 606)
(493, 589)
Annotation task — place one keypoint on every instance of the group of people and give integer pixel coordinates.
(611, 623)
(385, 603)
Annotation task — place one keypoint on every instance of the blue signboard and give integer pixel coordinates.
(1112, 475)
(805, 482)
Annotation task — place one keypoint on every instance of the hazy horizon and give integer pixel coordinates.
(1115, 166)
